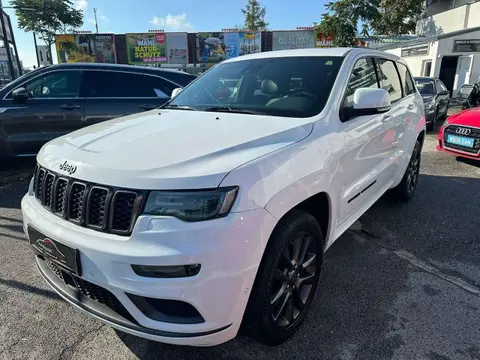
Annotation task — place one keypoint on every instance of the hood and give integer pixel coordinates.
(169, 149)
(427, 98)
(469, 117)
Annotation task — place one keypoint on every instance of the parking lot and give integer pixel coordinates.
(403, 283)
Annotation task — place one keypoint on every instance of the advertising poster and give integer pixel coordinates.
(232, 44)
(147, 48)
(211, 47)
(94, 48)
(43, 55)
(250, 42)
(177, 48)
(284, 40)
(323, 40)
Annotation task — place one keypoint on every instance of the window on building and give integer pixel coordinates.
(427, 68)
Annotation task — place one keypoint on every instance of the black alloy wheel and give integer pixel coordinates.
(406, 189)
(293, 279)
(286, 280)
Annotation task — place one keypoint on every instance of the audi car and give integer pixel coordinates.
(460, 134)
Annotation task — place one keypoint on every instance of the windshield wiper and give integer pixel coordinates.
(180, 107)
(232, 110)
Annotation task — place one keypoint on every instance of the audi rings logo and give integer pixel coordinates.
(463, 131)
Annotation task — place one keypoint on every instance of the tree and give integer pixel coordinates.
(255, 16)
(49, 17)
(344, 18)
(398, 17)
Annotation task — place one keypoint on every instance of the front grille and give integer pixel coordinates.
(92, 291)
(452, 130)
(90, 205)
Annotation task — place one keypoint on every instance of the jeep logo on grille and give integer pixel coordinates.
(68, 168)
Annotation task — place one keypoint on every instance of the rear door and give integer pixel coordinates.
(53, 109)
(367, 164)
(111, 94)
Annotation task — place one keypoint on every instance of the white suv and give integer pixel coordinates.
(183, 223)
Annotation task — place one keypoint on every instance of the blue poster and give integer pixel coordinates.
(232, 44)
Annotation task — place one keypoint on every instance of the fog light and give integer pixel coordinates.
(166, 271)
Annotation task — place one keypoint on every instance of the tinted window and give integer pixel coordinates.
(425, 86)
(389, 79)
(407, 82)
(265, 86)
(178, 77)
(59, 84)
(363, 76)
(125, 85)
(441, 86)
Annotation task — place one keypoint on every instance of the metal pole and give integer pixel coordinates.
(95, 14)
(36, 49)
(20, 70)
(6, 44)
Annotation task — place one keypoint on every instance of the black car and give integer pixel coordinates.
(436, 98)
(58, 99)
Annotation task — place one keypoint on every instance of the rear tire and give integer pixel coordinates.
(287, 279)
(404, 191)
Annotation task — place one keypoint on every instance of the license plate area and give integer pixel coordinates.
(461, 141)
(64, 256)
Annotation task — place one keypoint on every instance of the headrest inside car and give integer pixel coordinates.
(269, 87)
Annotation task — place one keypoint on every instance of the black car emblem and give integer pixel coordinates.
(68, 168)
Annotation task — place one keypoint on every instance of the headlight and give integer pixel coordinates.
(445, 123)
(192, 205)
(430, 106)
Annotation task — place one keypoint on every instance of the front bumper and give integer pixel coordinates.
(451, 151)
(229, 251)
(430, 117)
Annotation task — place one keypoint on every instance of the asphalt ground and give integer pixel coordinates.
(403, 283)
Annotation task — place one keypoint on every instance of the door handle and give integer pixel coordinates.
(148, 106)
(411, 107)
(387, 118)
(69, 107)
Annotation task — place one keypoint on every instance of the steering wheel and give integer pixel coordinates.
(304, 94)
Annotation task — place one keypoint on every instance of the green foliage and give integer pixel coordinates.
(398, 16)
(382, 17)
(49, 17)
(254, 16)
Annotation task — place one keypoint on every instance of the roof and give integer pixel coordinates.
(422, 39)
(334, 52)
(101, 66)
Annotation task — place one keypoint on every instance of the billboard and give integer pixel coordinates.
(147, 48)
(94, 48)
(177, 48)
(323, 40)
(242, 43)
(211, 47)
(296, 39)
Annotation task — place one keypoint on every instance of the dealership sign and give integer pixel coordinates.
(468, 45)
(416, 50)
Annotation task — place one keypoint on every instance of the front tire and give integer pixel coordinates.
(287, 279)
(404, 191)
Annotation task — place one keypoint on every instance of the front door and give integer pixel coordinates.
(54, 108)
(368, 162)
(111, 94)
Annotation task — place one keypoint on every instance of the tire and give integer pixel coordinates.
(275, 289)
(404, 191)
(431, 126)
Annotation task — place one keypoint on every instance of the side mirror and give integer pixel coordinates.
(446, 92)
(175, 92)
(367, 101)
(20, 95)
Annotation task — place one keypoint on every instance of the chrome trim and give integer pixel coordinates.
(456, 150)
(101, 70)
(463, 131)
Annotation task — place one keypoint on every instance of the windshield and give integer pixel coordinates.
(425, 86)
(287, 86)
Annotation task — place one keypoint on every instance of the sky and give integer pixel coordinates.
(123, 16)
